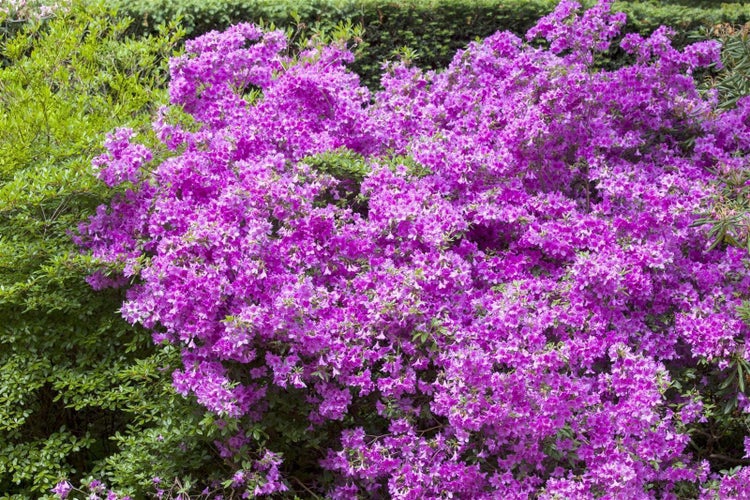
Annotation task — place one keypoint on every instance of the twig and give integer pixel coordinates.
(306, 488)
(727, 458)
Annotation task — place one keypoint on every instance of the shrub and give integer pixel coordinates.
(486, 279)
(81, 392)
(431, 30)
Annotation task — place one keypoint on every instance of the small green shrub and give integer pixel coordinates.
(82, 393)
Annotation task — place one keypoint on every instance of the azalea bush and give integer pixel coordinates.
(501, 277)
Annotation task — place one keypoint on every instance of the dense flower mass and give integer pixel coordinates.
(489, 277)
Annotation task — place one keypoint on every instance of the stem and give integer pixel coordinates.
(306, 488)
(732, 460)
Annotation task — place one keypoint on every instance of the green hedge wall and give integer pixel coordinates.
(435, 29)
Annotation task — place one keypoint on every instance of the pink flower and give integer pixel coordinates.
(62, 489)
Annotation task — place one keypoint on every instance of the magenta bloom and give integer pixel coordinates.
(62, 489)
(484, 280)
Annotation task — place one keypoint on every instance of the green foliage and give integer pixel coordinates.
(434, 30)
(431, 31)
(342, 164)
(733, 81)
(685, 17)
(723, 392)
(82, 393)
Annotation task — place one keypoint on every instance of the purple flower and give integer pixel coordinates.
(498, 262)
(62, 489)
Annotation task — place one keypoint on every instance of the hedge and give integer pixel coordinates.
(432, 29)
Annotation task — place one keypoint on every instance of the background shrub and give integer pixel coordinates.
(81, 392)
(431, 30)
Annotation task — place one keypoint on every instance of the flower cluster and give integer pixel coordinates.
(24, 10)
(93, 490)
(505, 273)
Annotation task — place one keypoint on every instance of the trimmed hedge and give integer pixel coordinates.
(432, 29)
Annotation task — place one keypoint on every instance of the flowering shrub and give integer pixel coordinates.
(96, 491)
(479, 280)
